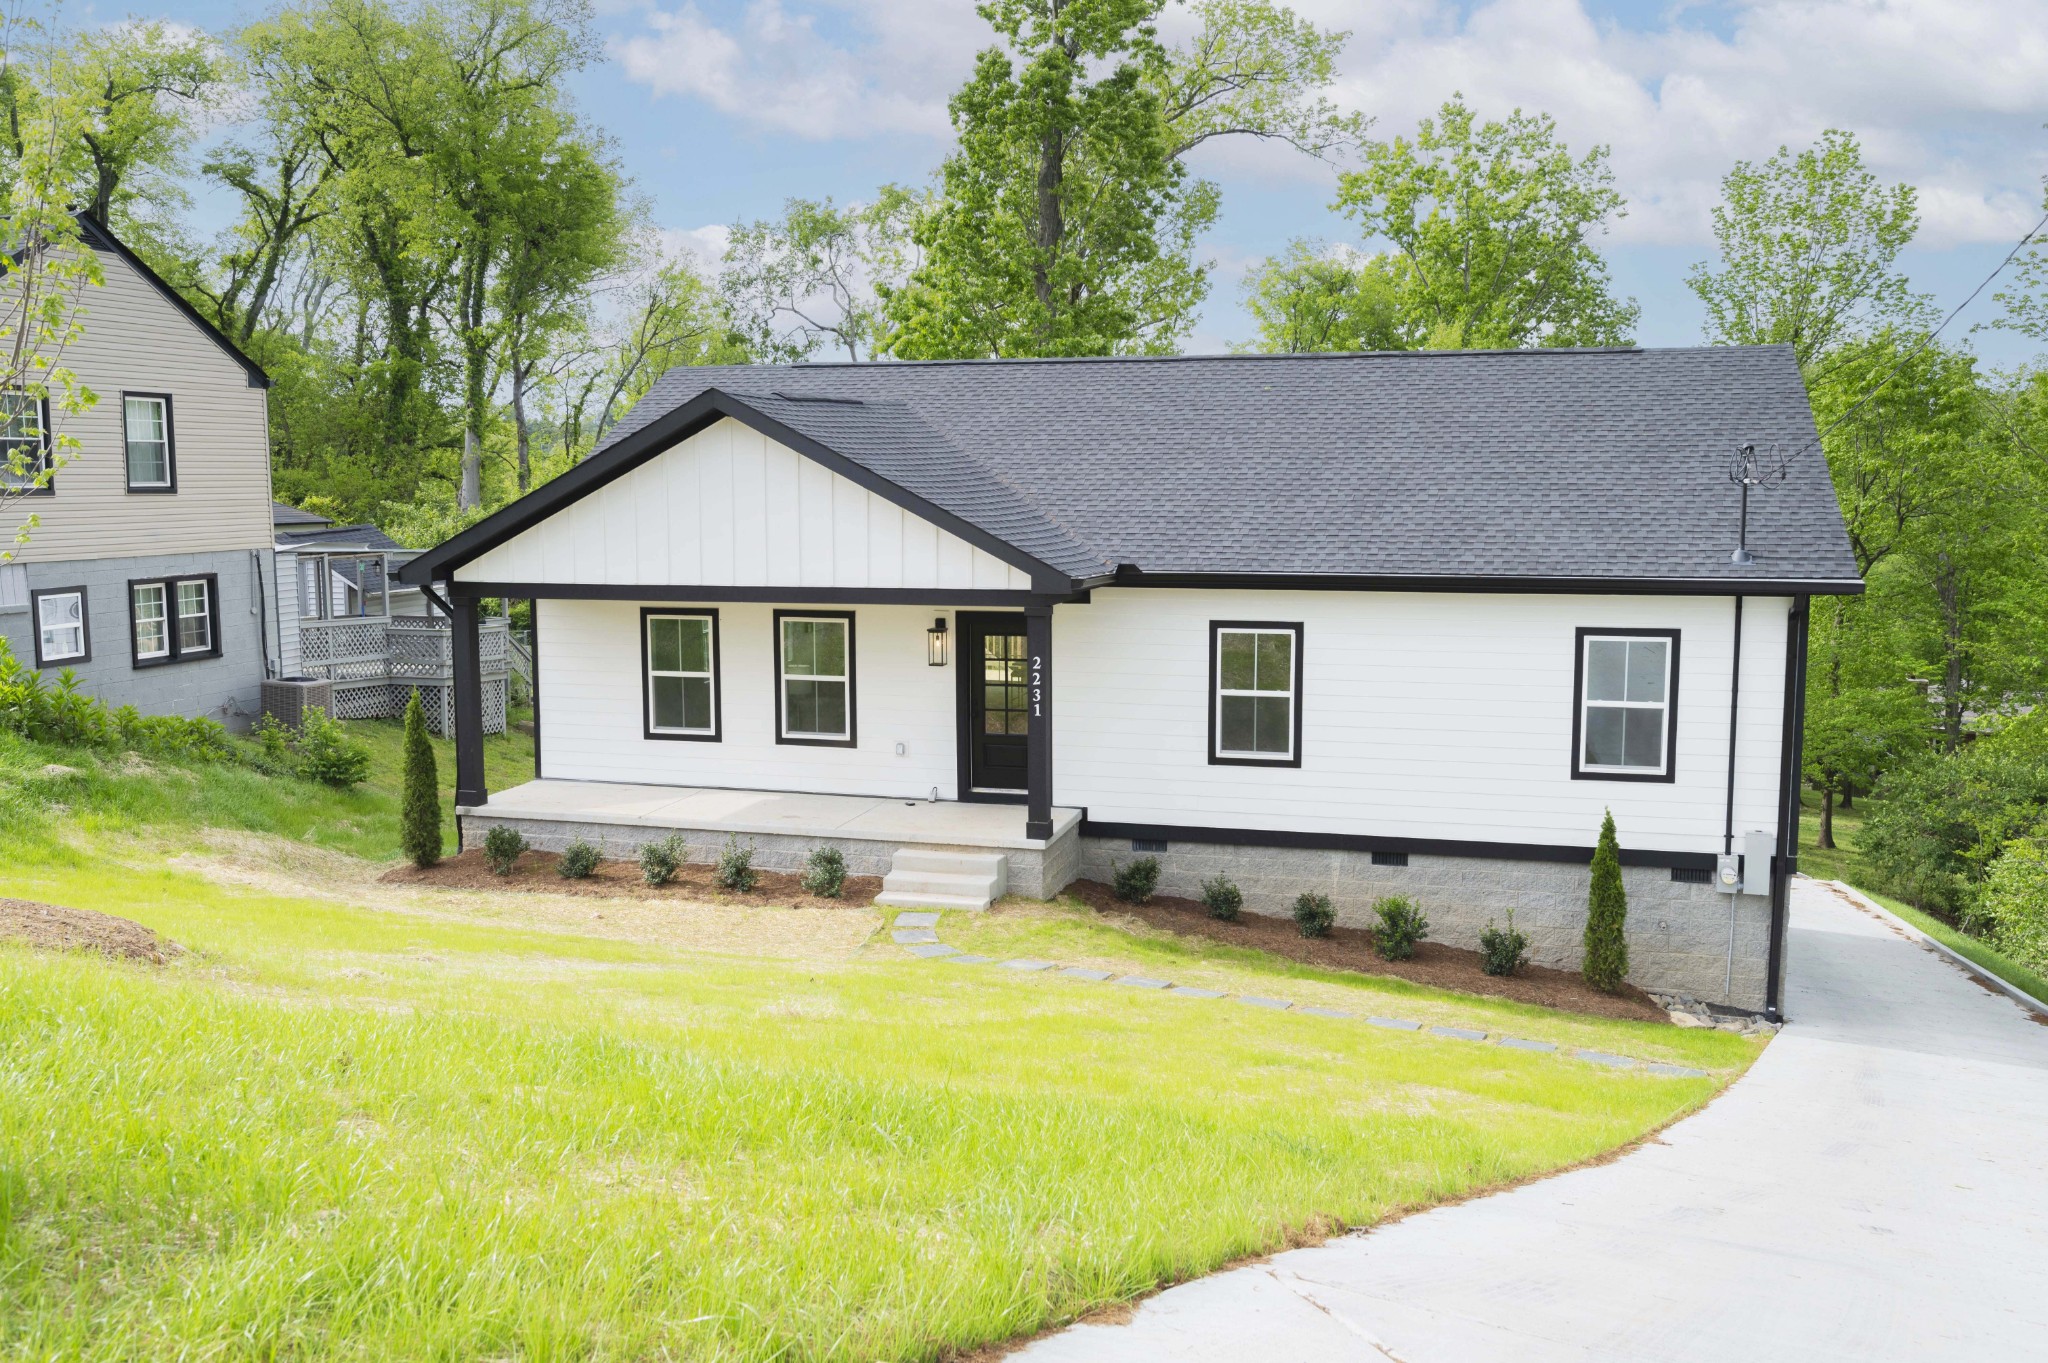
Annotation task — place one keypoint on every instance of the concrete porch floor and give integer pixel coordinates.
(867, 818)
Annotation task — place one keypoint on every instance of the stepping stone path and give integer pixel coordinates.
(918, 934)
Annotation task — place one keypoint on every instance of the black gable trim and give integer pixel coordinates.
(671, 428)
(100, 238)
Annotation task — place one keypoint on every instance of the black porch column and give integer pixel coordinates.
(1038, 746)
(469, 703)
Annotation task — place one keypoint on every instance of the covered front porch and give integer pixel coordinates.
(784, 827)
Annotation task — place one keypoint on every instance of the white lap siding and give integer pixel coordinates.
(729, 507)
(1424, 716)
(592, 703)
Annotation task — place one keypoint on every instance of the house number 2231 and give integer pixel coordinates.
(1037, 682)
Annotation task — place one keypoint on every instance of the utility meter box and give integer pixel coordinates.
(1759, 850)
(1728, 874)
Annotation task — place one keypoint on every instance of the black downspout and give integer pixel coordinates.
(263, 615)
(1791, 746)
(1734, 703)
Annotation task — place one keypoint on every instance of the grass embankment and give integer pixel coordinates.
(1842, 863)
(380, 1123)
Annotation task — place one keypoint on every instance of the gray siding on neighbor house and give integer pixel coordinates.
(227, 688)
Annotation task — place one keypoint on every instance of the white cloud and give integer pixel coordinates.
(1948, 95)
(705, 246)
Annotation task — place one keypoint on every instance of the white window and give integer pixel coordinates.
(1255, 714)
(147, 418)
(24, 440)
(152, 638)
(174, 619)
(1626, 695)
(814, 659)
(60, 626)
(682, 675)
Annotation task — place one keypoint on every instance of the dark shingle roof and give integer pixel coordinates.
(1531, 464)
(363, 536)
(284, 513)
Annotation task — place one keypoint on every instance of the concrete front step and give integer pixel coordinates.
(924, 879)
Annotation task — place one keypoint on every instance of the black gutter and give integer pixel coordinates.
(1791, 749)
(1127, 576)
(1734, 703)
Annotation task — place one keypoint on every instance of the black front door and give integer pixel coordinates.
(994, 673)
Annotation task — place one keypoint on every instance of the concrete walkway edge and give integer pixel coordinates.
(1996, 981)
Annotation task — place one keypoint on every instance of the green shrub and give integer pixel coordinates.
(1135, 883)
(2013, 911)
(1503, 951)
(64, 715)
(1222, 898)
(1606, 965)
(825, 873)
(659, 861)
(273, 747)
(1941, 821)
(736, 865)
(502, 847)
(327, 754)
(1400, 927)
(1313, 915)
(419, 807)
(579, 859)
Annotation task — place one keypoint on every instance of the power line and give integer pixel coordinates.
(1926, 340)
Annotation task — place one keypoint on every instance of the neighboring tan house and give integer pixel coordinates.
(1355, 624)
(149, 573)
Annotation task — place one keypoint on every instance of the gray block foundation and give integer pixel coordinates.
(1678, 934)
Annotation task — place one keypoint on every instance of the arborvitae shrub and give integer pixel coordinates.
(1400, 927)
(502, 847)
(1222, 898)
(419, 814)
(825, 873)
(1135, 883)
(1313, 915)
(1606, 915)
(579, 859)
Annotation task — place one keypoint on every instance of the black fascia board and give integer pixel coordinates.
(673, 427)
(101, 238)
(1129, 576)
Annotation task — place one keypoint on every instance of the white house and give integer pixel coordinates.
(1361, 624)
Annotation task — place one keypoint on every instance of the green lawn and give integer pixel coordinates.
(373, 1130)
(1841, 863)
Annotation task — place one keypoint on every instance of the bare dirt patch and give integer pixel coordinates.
(50, 927)
(1434, 964)
(536, 871)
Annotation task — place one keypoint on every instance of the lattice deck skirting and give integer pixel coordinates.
(376, 665)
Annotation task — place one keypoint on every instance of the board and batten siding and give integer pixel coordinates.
(730, 507)
(592, 727)
(1425, 716)
(135, 340)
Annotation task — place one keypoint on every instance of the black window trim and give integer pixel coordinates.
(176, 654)
(47, 457)
(35, 624)
(852, 739)
(1213, 687)
(170, 447)
(647, 729)
(1670, 772)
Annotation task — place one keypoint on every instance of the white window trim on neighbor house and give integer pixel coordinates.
(50, 607)
(652, 676)
(1222, 697)
(11, 413)
(146, 430)
(1664, 704)
(847, 736)
(172, 619)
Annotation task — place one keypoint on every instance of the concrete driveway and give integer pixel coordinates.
(1875, 1188)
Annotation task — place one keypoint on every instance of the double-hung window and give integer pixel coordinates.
(146, 422)
(1627, 705)
(1255, 694)
(680, 649)
(814, 678)
(24, 443)
(174, 619)
(60, 626)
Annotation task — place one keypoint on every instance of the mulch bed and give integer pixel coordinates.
(1434, 964)
(49, 927)
(535, 871)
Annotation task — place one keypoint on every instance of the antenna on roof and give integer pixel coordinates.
(1747, 470)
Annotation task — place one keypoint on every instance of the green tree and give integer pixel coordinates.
(1308, 299)
(1808, 244)
(419, 813)
(1492, 223)
(1863, 714)
(1606, 964)
(1066, 220)
(822, 273)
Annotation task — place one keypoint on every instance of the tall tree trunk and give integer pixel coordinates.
(1052, 226)
(520, 372)
(1848, 793)
(475, 359)
(1825, 841)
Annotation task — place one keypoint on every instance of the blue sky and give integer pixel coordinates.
(723, 108)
